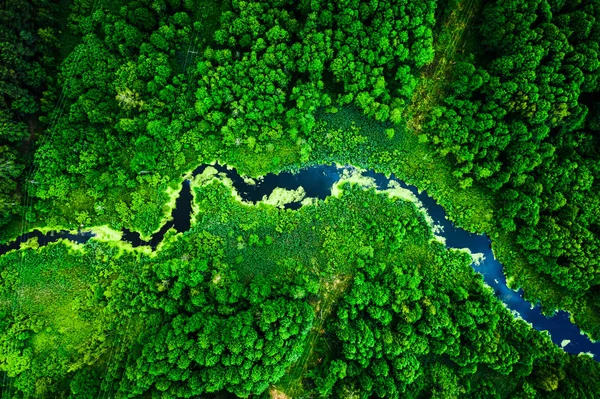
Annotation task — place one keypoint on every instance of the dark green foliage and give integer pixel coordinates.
(124, 107)
(346, 298)
(148, 94)
(11, 170)
(411, 317)
(404, 329)
(524, 122)
(207, 330)
(27, 44)
(271, 55)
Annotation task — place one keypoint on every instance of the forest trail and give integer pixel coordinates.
(332, 289)
(430, 87)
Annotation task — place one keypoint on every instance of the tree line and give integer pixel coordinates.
(147, 95)
(231, 307)
(28, 47)
(522, 119)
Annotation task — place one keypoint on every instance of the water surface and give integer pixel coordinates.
(317, 182)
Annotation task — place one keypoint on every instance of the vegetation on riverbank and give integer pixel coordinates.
(348, 296)
(521, 118)
(490, 107)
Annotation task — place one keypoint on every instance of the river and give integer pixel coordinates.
(317, 182)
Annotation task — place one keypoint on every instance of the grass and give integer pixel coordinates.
(51, 294)
(411, 160)
(361, 142)
(79, 206)
(474, 208)
(278, 232)
(322, 238)
(51, 290)
(417, 249)
(253, 163)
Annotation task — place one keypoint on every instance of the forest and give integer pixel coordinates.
(493, 107)
(248, 300)
(521, 117)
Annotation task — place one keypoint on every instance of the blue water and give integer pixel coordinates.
(317, 182)
(559, 326)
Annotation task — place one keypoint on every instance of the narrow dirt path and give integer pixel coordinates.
(332, 289)
(428, 92)
(430, 88)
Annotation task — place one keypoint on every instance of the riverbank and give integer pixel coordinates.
(186, 211)
(331, 239)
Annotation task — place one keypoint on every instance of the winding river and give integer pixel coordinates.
(317, 182)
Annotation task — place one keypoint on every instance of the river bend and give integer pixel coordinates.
(317, 182)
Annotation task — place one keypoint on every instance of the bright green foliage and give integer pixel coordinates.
(59, 322)
(125, 108)
(311, 54)
(524, 121)
(194, 318)
(427, 324)
(11, 169)
(208, 330)
(145, 101)
(348, 298)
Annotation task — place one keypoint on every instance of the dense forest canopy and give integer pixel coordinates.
(142, 104)
(355, 289)
(523, 119)
(491, 106)
(27, 45)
